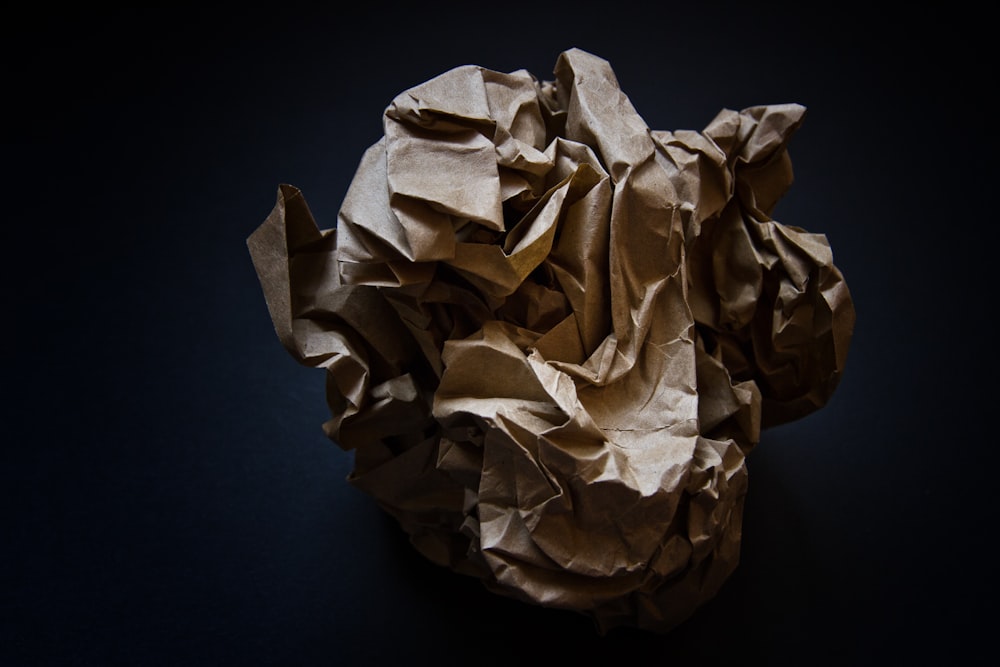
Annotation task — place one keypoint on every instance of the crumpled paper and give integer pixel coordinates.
(551, 335)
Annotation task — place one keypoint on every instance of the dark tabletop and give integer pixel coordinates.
(169, 496)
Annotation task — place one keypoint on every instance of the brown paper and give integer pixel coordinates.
(551, 334)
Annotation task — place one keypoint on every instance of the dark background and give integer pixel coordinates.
(169, 497)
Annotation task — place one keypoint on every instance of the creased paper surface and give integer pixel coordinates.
(552, 335)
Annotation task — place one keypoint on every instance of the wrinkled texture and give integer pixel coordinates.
(552, 335)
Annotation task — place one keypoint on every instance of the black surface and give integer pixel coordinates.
(169, 496)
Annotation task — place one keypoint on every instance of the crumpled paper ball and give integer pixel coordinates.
(551, 335)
